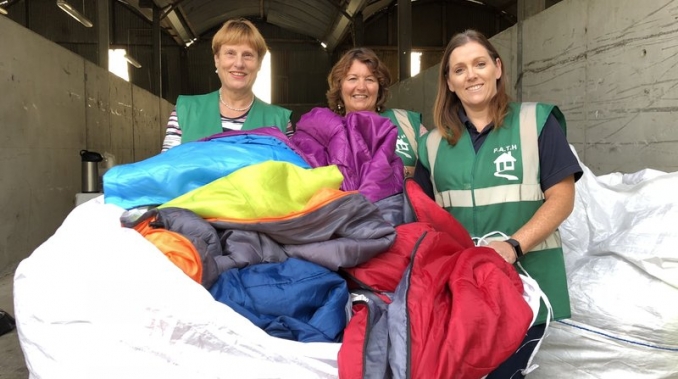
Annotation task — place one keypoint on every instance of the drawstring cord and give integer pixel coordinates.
(549, 314)
(483, 241)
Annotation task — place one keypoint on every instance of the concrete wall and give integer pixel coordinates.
(54, 104)
(609, 65)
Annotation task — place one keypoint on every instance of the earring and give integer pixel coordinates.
(216, 71)
(339, 106)
(379, 109)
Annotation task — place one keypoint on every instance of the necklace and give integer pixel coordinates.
(221, 100)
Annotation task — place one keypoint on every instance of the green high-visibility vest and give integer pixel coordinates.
(199, 116)
(406, 146)
(498, 189)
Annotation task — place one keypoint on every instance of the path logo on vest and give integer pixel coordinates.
(505, 163)
(402, 147)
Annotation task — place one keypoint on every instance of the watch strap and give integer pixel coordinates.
(516, 247)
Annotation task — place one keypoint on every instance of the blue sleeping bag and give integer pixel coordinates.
(295, 299)
(179, 170)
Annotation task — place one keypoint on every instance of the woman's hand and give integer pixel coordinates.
(504, 249)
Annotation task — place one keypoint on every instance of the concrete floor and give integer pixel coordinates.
(12, 363)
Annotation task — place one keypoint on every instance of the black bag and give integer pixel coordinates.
(7, 323)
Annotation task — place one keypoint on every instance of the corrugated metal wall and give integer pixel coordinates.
(127, 31)
(299, 64)
(433, 24)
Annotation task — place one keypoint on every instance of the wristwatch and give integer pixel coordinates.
(516, 247)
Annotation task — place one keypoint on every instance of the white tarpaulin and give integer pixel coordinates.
(99, 301)
(621, 254)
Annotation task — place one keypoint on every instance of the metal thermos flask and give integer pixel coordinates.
(90, 170)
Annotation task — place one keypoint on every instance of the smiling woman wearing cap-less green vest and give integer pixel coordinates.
(359, 81)
(238, 49)
(505, 171)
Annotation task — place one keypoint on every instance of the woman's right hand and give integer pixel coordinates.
(505, 250)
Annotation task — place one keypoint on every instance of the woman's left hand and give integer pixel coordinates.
(505, 250)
